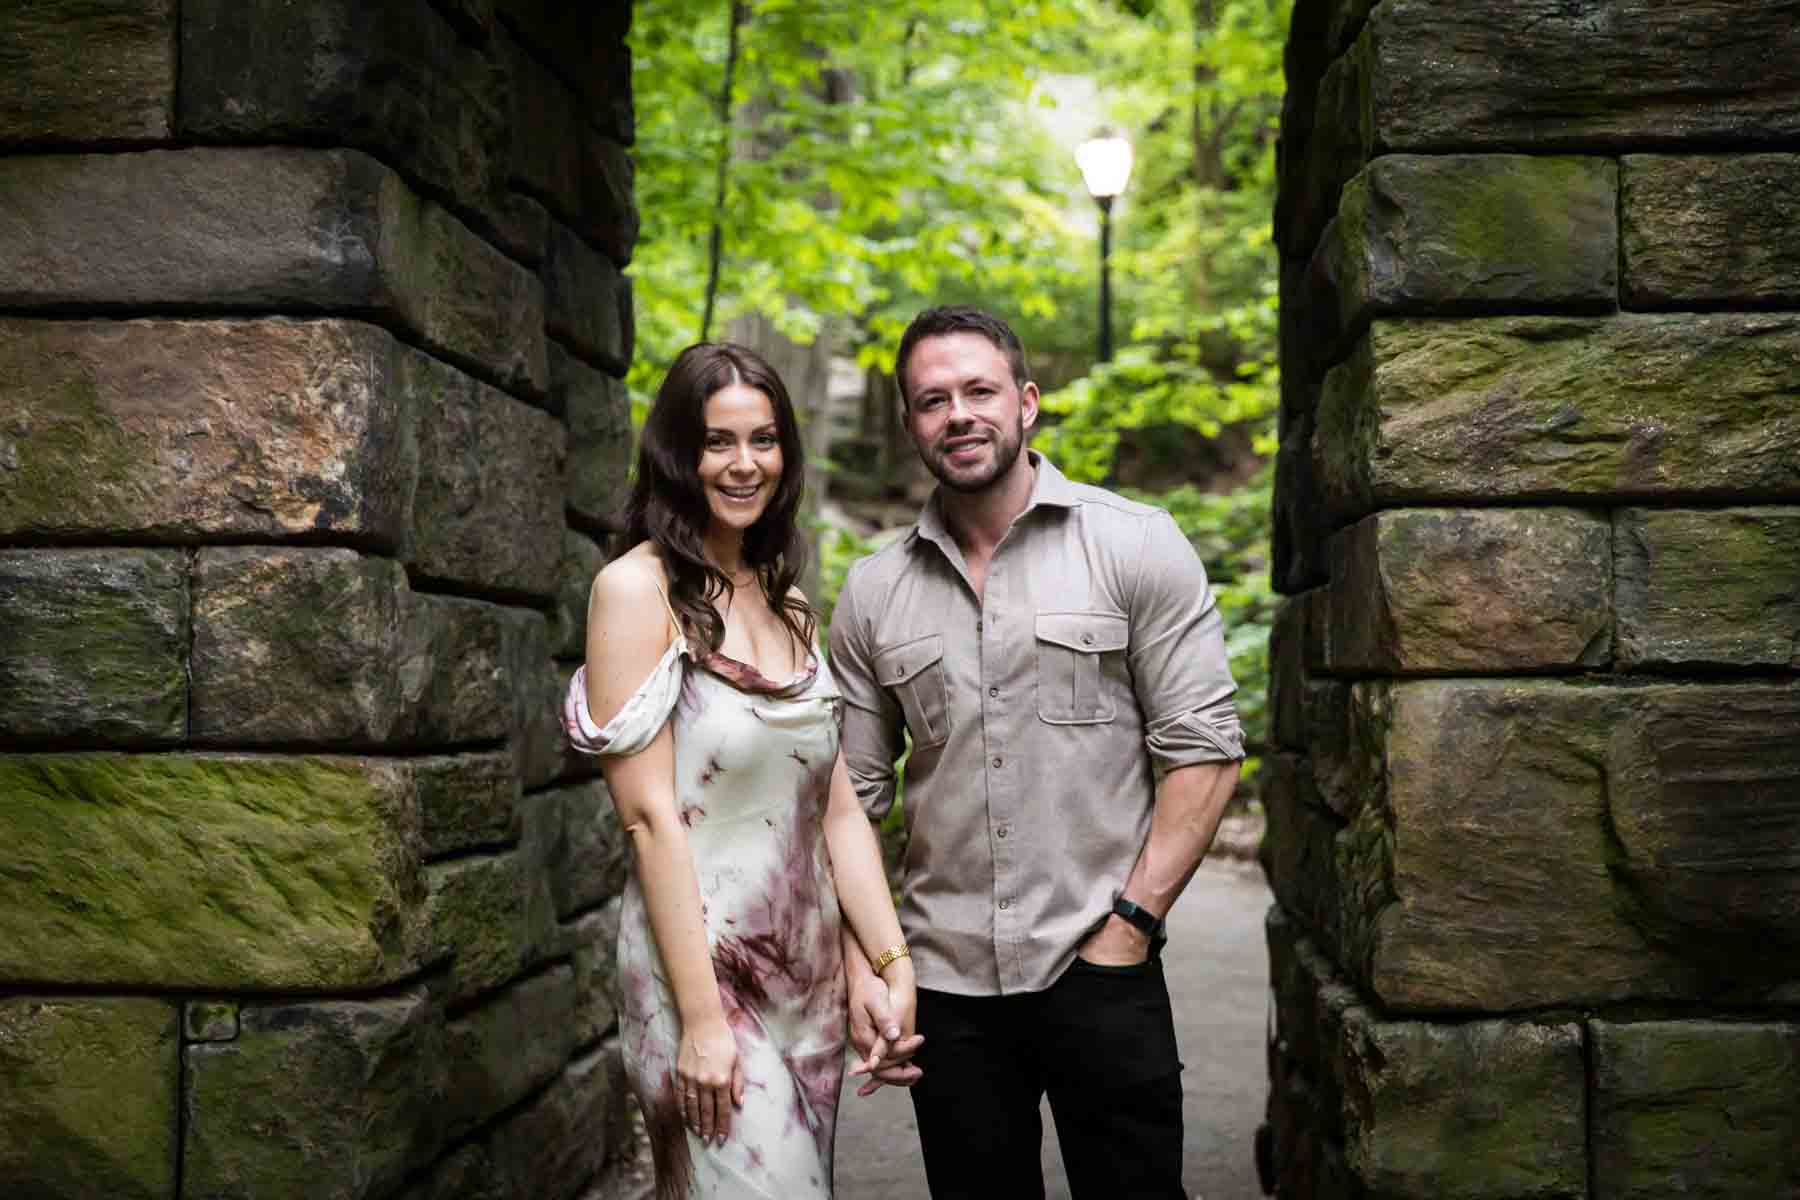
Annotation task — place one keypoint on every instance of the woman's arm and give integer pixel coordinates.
(628, 633)
(868, 910)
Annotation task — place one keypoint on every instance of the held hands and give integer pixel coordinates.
(709, 1079)
(881, 1029)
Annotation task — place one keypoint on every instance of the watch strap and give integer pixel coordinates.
(1146, 921)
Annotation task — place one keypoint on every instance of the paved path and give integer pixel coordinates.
(1219, 981)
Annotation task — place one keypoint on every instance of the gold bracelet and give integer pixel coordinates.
(890, 956)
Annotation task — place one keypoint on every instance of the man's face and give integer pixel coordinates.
(966, 416)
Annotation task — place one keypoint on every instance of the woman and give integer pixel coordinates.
(719, 722)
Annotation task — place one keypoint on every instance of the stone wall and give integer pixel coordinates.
(312, 324)
(1534, 830)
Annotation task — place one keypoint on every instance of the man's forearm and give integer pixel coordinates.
(1190, 802)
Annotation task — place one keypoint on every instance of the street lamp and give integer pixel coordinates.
(1105, 162)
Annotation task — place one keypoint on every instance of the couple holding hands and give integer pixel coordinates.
(1054, 655)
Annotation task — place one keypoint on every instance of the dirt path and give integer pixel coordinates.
(1218, 978)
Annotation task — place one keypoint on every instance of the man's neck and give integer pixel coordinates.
(979, 520)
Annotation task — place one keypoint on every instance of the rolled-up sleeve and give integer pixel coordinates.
(874, 728)
(1177, 655)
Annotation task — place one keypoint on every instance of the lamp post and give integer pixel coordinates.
(1105, 162)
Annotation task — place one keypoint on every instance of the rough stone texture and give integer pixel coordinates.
(1553, 75)
(1337, 143)
(1478, 1111)
(594, 939)
(583, 177)
(93, 644)
(1719, 588)
(88, 1110)
(87, 70)
(191, 429)
(588, 858)
(268, 228)
(1471, 591)
(1299, 846)
(585, 44)
(1565, 844)
(1708, 229)
(496, 1054)
(209, 1021)
(335, 1099)
(467, 801)
(1548, 408)
(492, 916)
(582, 559)
(553, 1148)
(535, 691)
(598, 408)
(321, 646)
(1696, 1108)
(1460, 233)
(218, 872)
(487, 513)
(587, 301)
(391, 78)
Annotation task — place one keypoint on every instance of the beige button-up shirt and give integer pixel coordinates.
(1041, 712)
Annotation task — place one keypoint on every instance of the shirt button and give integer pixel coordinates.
(1004, 903)
(998, 760)
(1087, 639)
(1000, 832)
(993, 691)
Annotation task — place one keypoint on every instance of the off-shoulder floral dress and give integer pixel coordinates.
(753, 762)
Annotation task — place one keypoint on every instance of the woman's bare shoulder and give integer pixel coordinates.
(626, 599)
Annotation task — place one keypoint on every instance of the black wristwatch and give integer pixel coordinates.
(1148, 922)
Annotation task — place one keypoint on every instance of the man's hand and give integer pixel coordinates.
(1117, 943)
(880, 1030)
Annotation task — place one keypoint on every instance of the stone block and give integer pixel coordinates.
(556, 1145)
(598, 408)
(190, 430)
(1299, 531)
(1478, 1111)
(93, 645)
(1718, 588)
(210, 1021)
(208, 871)
(491, 915)
(1298, 849)
(582, 559)
(293, 229)
(585, 45)
(535, 695)
(467, 801)
(1695, 1108)
(582, 175)
(87, 71)
(1432, 234)
(1555, 408)
(589, 857)
(1287, 674)
(594, 939)
(1339, 142)
(1709, 230)
(1557, 844)
(334, 1099)
(1558, 76)
(1471, 591)
(306, 646)
(587, 300)
(503, 1050)
(392, 78)
(89, 1107)
(488, 512)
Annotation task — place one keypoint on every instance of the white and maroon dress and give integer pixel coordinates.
(753, 762)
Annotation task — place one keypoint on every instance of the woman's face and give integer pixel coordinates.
(740, 456)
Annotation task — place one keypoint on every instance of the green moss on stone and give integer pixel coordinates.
(207, 872)
(74, 456)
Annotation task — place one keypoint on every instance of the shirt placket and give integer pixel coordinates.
(1000, 770)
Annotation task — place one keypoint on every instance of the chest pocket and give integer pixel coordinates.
(1078, 655)
(914, 672)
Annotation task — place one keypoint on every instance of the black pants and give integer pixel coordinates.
(1100, 1041)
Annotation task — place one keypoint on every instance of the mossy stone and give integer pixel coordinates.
(513, 1043)
(217, 872)
(93, 644)
(87, 71)
(88, 1110)
(1703, 230)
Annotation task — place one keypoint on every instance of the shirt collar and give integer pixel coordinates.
(1049, 489)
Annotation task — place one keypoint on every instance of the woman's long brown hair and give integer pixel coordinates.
(668, 507)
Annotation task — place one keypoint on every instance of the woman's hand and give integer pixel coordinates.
(710, 1078)
(881, 1029)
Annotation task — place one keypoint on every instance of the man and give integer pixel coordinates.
(1054, 653)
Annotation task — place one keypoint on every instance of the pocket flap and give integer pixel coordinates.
(897, 664)
(1085, 632)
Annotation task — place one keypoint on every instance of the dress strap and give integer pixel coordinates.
(674, 620)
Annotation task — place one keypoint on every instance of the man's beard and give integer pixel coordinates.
(1006, 451)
